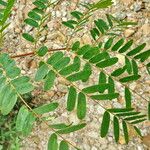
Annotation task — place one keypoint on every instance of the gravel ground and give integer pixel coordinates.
(88, 138)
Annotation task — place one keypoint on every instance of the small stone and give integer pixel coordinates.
(129, 32)
(137, 6)
(32, 64)
(122, 140)
(146, 140)
(121, 15)
(127, 2)
(86, 39)
(146, 29)
(94, 148)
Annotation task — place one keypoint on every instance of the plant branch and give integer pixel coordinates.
(33, 53)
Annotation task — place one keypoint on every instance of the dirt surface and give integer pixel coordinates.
(55, 37)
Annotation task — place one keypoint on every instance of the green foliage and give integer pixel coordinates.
(53, 144)
(17, 84)
(75, 66)
(6, 8)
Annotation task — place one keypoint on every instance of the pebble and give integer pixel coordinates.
(146, 29)
(129, 32)
(137, 6)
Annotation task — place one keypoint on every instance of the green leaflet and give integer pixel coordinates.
(21, 118)
(149, 111)
(62, 63)
(127, 114)
(20, 80)
(7, 11)
(82, 75)
(107, 62)
(28, 125)
(52, 142)
(90, 53)
(31, 22)
(75, 46)
(49, 80)
(68, 24)
(63, 146)
(105, 124)
(55, 58)
(102, 78)
(40, 4)
(136, 50)
(138, 131)
(128, 65)
(3, 3)
(116, 128)
(9, 101)
(135, 67)
(128, 97)
(127, 23)
(103, 4)
(84, 49)
(95, 88)
(76, 14)
(81, 106)
(34, 15)
(45, 108)
(28, 37)
(105, 96)
(143, 56)
(118, 72)
(117, 45)
(39, 11)
(125, 131)
(132, 118)
(103, 24)
(71, 68)
(25, 120)
(126, 46)
(71, 100)
(130, 78)
(41, 72)
(72, 128)
(100, 28)
(59, 126)
(24, 88)
(108, 43)
(94, 32)
(138, 121)
(111, 87)
(118, 110)
(99, 57)
(42, 51)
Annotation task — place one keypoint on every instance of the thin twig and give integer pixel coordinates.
(33, 53)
